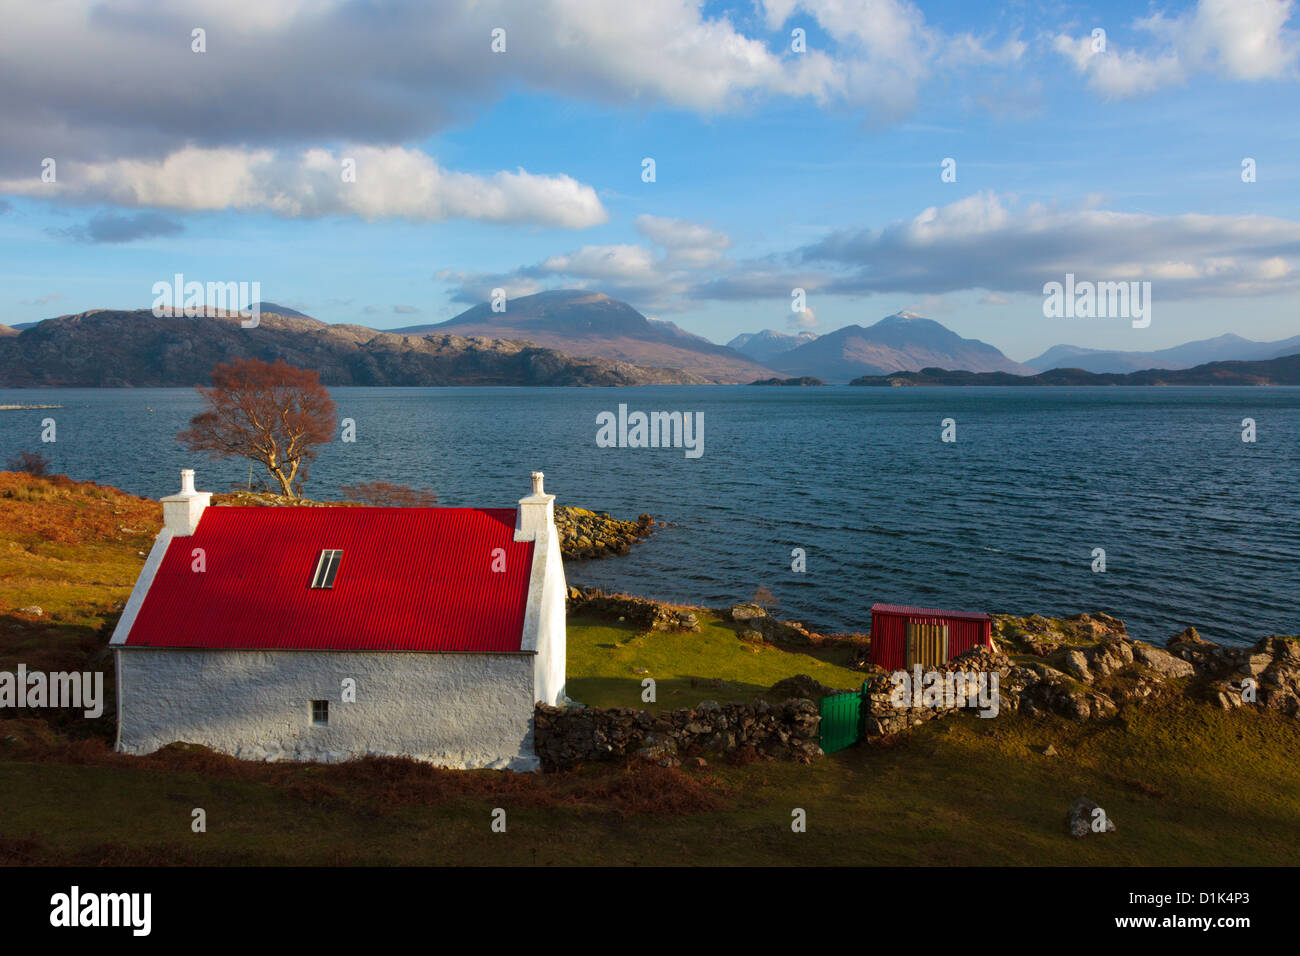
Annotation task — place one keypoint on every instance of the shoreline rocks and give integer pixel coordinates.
(590, 534)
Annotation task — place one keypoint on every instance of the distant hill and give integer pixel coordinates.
(768, 344)
(903, 341)
(1223, 348)
(1277, 371)
(594, 325)
(281, 310)
(6, 330)
(110, 348)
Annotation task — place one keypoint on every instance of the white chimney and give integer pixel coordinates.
(181, 512)
(536, 512)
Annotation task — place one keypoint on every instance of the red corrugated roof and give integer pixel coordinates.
(928, 612)
(411, 579)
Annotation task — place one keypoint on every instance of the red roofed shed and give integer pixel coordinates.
(902, 635)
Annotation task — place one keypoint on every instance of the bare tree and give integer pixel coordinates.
(764, 598)
(272, 413)
(384, 494)
(30, 462)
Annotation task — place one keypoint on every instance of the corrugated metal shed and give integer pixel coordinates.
(889, 631)
(410, 579)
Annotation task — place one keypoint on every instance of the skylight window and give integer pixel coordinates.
(326, 568)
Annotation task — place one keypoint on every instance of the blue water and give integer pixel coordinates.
(1198, 527)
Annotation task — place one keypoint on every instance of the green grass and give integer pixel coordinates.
(606, 660)
(1184, 784)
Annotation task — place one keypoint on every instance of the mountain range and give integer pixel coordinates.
(593, 325)
(767, 345)
(902, 341)
(1222, 348)
(1284, 370)
(555, 338)
(110, 348)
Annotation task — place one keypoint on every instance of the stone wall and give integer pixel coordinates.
(882, 717)
(572, 735)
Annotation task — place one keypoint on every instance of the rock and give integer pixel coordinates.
(33, 610)
(747, 612)
(1162, 662)
(1049, 751)
(1073, 661)
(800, 686)
(1223, 695)
(1082, 816)
(1056, 693)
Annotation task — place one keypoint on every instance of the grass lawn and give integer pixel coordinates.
(607, 661)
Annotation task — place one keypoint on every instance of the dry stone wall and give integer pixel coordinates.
(564, 736)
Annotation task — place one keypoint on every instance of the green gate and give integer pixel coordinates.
(841, 724)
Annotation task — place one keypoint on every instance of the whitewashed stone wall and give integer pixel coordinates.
(454, 710)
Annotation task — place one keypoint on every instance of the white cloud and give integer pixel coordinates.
(98, 80)
(1238, 39)
(688, 244)
(622, 262)
(805, 321)
(390, 183)
(987, 242)
(686, 252)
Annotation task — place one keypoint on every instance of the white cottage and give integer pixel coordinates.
(329, 633)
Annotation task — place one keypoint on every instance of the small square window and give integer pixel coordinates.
(320, 713)
(327, 566)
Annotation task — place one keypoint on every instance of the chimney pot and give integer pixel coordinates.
(181, 511)
(537, 483)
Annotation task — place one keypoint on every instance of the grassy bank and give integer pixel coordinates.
(1184, 783)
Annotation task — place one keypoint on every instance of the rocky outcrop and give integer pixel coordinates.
(756, 625)
(643, 613)
(1266, 673)
(1090, 666)
(565, 736)
(590, 534)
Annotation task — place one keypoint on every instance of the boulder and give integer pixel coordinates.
(800, 686)
(1082, 817)
(1162, 662)
(747, 612)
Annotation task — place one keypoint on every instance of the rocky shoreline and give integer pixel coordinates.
(590, 534)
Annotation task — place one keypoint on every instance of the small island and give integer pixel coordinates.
(805, 380)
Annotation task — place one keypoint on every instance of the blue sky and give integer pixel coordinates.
(775, 169)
